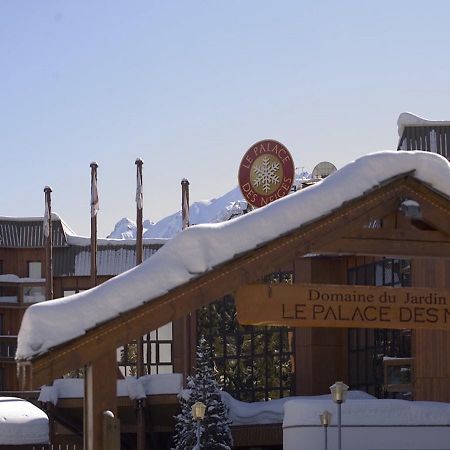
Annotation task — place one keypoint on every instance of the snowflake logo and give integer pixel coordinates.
(266, 174)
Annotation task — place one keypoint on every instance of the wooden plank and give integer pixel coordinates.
(400, 235)
(223, 279)
(386, 247)
(342, 306)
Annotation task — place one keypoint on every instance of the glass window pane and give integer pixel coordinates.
(165, 369)
(153, 353)
(35, 269)
(165, 353)
(165, 332)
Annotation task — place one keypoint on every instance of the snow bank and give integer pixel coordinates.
(22, 423)
(259, 413)
(200, 248)
(375, 412)
(368, 425)
(135, 388)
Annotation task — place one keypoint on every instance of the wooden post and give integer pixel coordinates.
(140, 403)
(185, 222)
(48, 244)
(94, 209)
(111, 431)
(100, 395)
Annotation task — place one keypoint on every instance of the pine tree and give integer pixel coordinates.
(202, 387)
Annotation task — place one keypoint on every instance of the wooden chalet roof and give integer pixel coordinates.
(28, 233)
(342, 230)
(426, 135)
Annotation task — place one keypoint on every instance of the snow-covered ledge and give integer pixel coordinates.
(368, 424)
(135, 388)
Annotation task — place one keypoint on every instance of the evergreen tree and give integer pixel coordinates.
(202, 387)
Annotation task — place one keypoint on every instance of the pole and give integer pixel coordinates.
(339, 427)
(94, 209)
(140, 403)
(185, 203)
(48, 244)
(185, 222)
(326, 438)
(198, 434)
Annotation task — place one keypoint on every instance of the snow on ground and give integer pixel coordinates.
(135, 388)
(200, 248)
(22, 423)
(362, 412)
(243, 413)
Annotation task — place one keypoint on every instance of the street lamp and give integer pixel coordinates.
(339, 395)
(325, 420)
(198, 413)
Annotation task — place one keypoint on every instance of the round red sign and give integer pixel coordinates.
(266, 172)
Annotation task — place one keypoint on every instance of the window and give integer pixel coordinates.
(368, 347)
(68, 292)
(157, 353)
(253, 363)
(1, 273)
(34, 269)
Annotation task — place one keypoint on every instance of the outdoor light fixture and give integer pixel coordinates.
(198, 413)
(339, 395)
(325, 420)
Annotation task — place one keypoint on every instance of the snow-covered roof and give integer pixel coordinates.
(200, 248)
(22, 423)
(407, 119)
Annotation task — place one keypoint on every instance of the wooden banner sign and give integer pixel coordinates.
(317, 305)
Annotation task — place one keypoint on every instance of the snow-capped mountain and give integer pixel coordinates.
(205, 211)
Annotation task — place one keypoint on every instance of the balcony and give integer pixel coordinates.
(15, 291)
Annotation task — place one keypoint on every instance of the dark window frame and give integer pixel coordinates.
(252, 363)
(367, 347)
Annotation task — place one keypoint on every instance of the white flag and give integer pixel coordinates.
(94, 196)
(139, 190)
(46, 225)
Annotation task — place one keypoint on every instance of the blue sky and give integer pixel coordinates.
(190, 85)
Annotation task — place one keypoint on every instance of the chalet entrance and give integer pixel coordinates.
(400, 217)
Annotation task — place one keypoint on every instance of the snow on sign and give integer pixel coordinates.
(266, 172)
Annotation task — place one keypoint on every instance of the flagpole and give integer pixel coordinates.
(140, 404)
(139, 210)
(185, 203)
(48, 235)
(94, 209)
(185, 222)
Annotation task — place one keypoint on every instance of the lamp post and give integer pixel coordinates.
(198, 413)
(339, 395)
(325, 420)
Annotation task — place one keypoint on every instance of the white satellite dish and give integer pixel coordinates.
(323, 169)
